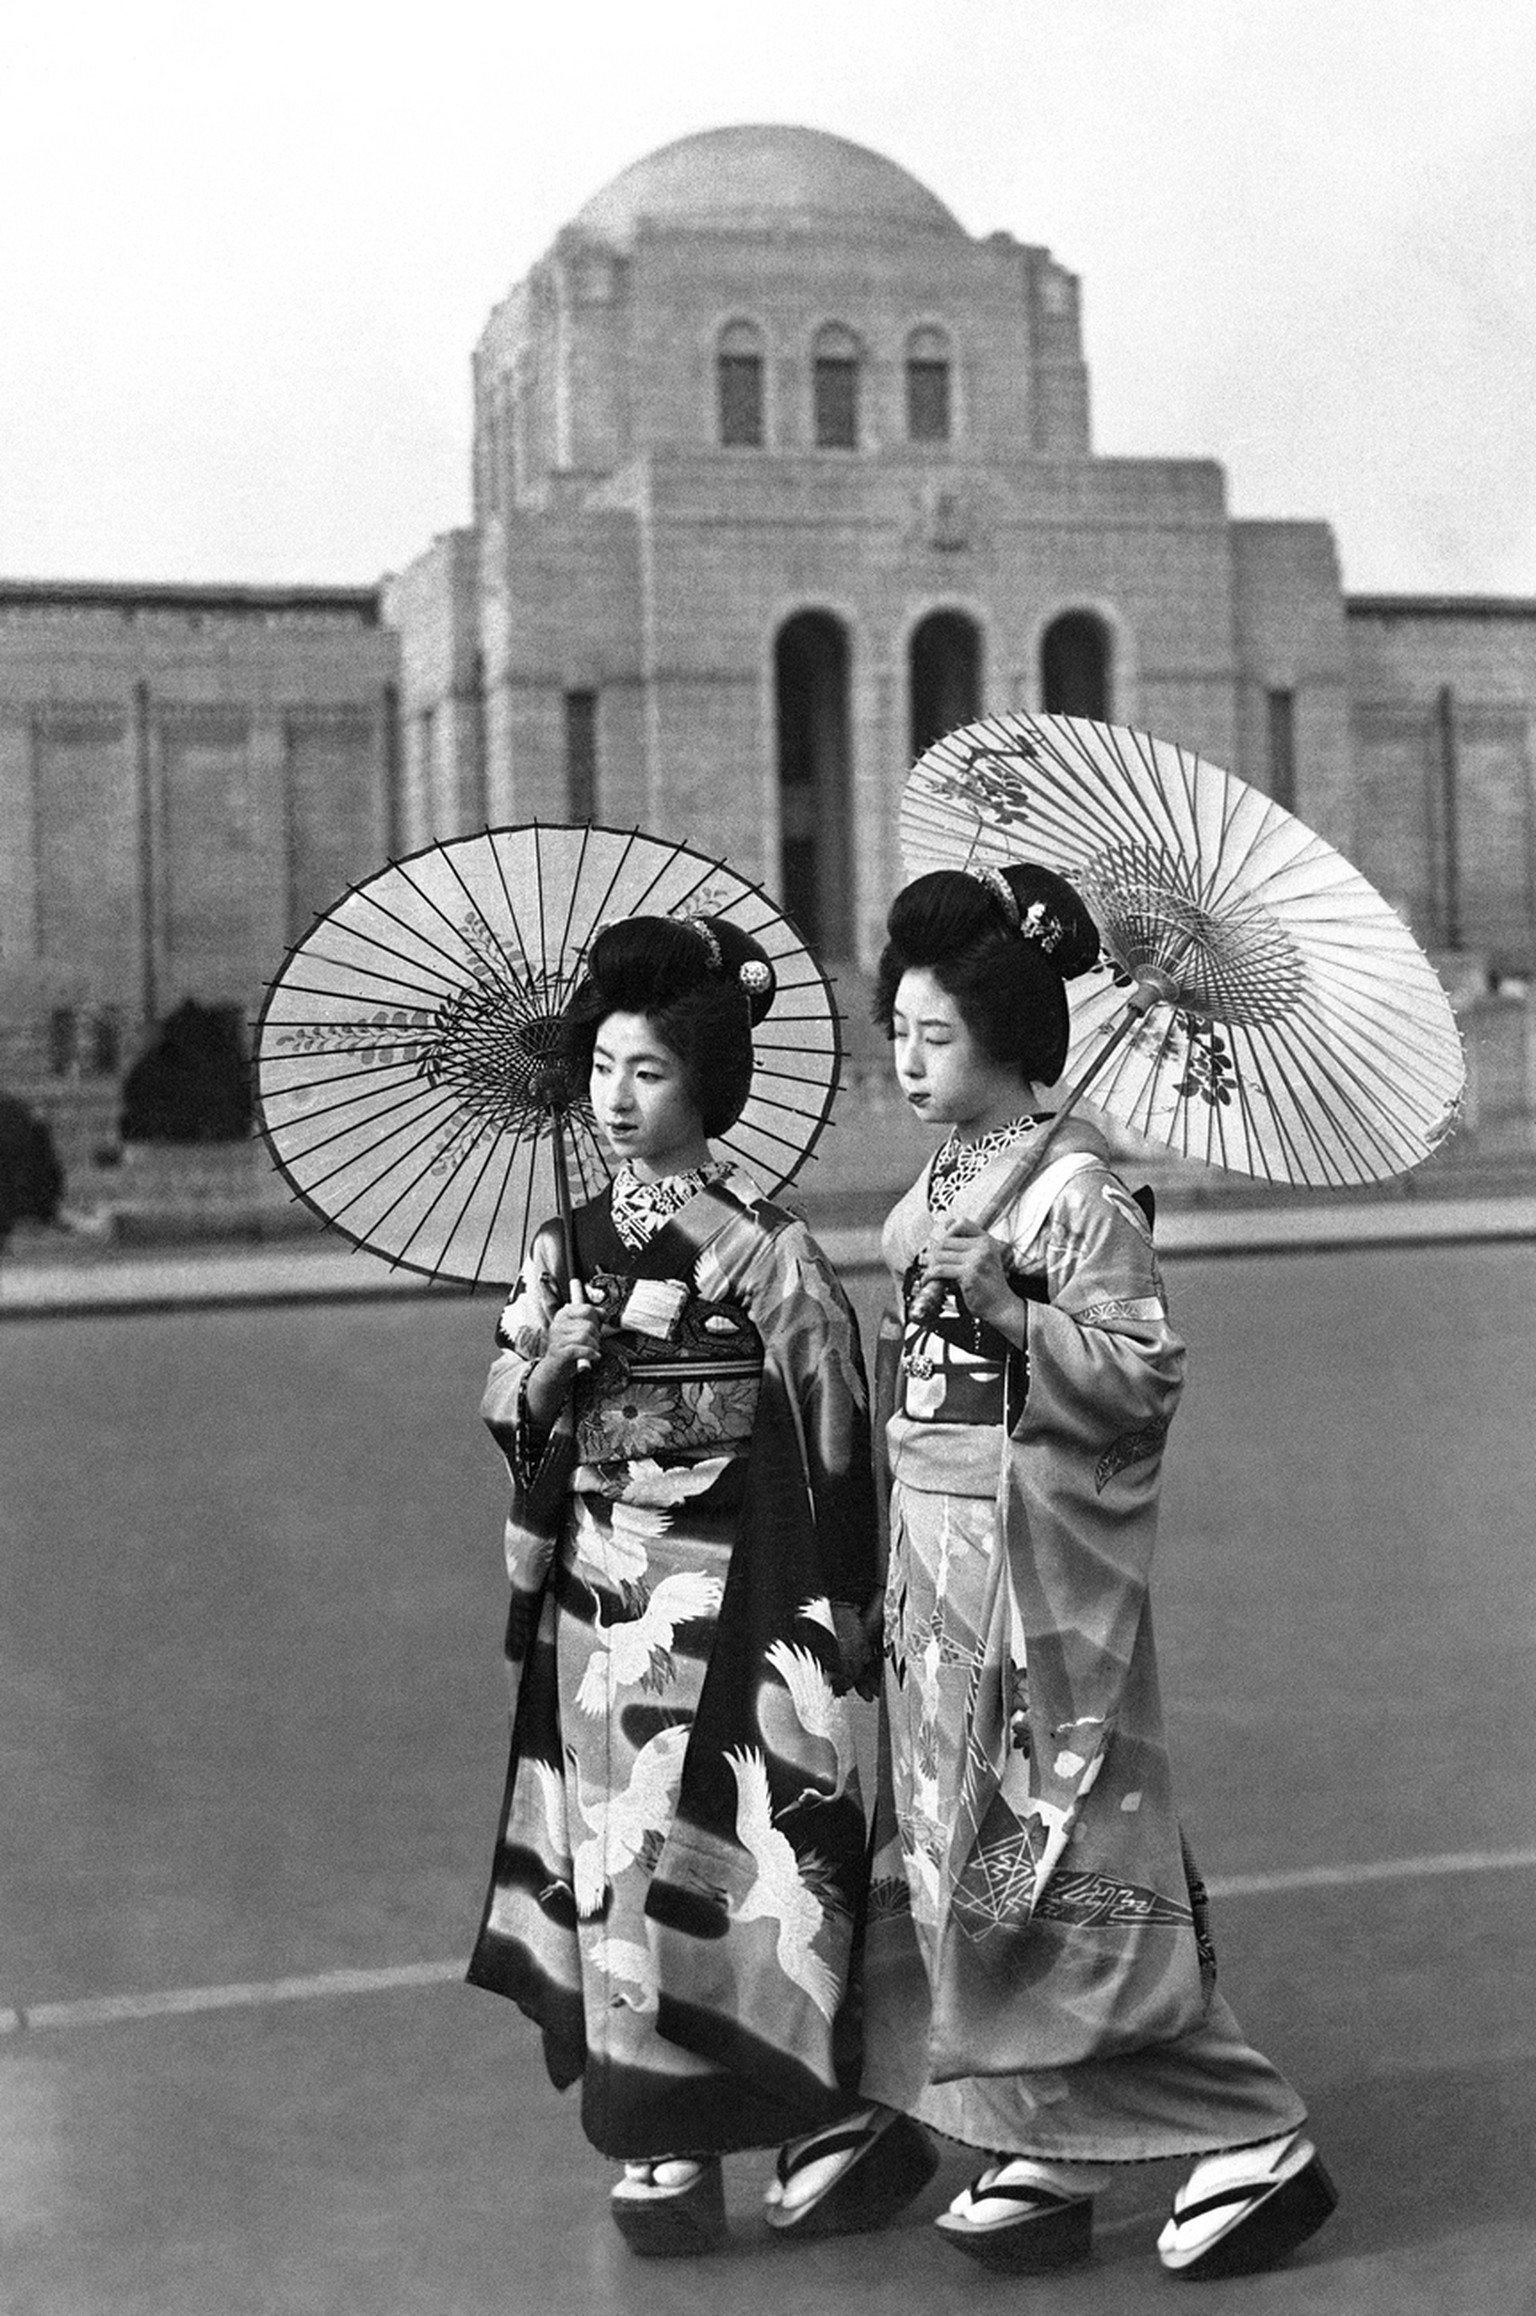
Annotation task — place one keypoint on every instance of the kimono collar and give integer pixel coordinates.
(640, 1208)
(957, 1163)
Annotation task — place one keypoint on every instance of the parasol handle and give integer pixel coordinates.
(1153, 986)
(577, 1289)
(578, 1297)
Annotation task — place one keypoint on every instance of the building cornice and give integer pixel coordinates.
(1440, 607)
(357, 606)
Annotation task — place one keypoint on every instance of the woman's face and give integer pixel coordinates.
(943, 1072)
(640, 1098)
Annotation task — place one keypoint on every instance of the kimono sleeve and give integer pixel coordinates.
(1106, 1368)
(810, 1333)
(1084, 1471)
(539, 1468)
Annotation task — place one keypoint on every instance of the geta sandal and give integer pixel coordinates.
(853, 2176)
(1248, 2210)
(1019, 2223)
(671, 2206)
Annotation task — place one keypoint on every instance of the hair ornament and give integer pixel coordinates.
(1001, 891)
(1041, 924)
(711, 941)
(754, 976)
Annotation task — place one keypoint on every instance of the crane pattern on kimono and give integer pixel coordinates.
(781, 1891)
(638, 1653)
(804, 1722)
(626, 1828)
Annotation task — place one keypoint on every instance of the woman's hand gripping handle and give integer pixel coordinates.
(964, 1256)
(573, 1344)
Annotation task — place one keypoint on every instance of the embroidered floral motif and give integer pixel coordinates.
(633, 1425)
(958, 1163)
(719, 1410)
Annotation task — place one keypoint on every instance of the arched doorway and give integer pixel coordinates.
(1075, 666)
(943, 676)
(810, 667)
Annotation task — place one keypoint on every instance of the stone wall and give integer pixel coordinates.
(186, 776)
(1443, 712)
(433, 609)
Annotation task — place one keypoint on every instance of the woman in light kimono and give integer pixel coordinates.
(692, 1547)
(1040, 1982)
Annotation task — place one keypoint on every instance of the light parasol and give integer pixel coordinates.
(406, 1055)
(1258, 1005)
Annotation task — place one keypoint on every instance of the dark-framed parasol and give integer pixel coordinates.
(406, 1063)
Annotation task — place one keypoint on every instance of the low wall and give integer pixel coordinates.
(866, 1157)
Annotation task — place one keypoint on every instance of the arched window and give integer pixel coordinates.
(928, 400)
(835, 386)
(943, 676)
(739, 386)
(810, 666)
(1075, 666)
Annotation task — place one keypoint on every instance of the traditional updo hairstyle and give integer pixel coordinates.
(1003, 943)
(704, 985)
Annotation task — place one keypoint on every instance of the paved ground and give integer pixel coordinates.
(250, 1711)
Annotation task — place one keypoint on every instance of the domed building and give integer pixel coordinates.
(778, 473)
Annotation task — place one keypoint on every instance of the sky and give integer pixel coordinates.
(247, 251)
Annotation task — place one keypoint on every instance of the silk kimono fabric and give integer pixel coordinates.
(682, 1859)
(1039, 1976)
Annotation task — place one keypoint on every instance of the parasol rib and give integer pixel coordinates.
(498, 864)
(371, 1149)
(449, 1179)
(422, 991)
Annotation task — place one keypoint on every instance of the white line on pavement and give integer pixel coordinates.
(182, 2001)
(111, 2009)
(1379, 1870)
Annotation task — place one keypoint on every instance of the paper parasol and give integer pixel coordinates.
(405, 1054)
(1288, 1025)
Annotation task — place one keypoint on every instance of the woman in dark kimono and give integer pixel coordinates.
(1040, 1982)
(691, 1543)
